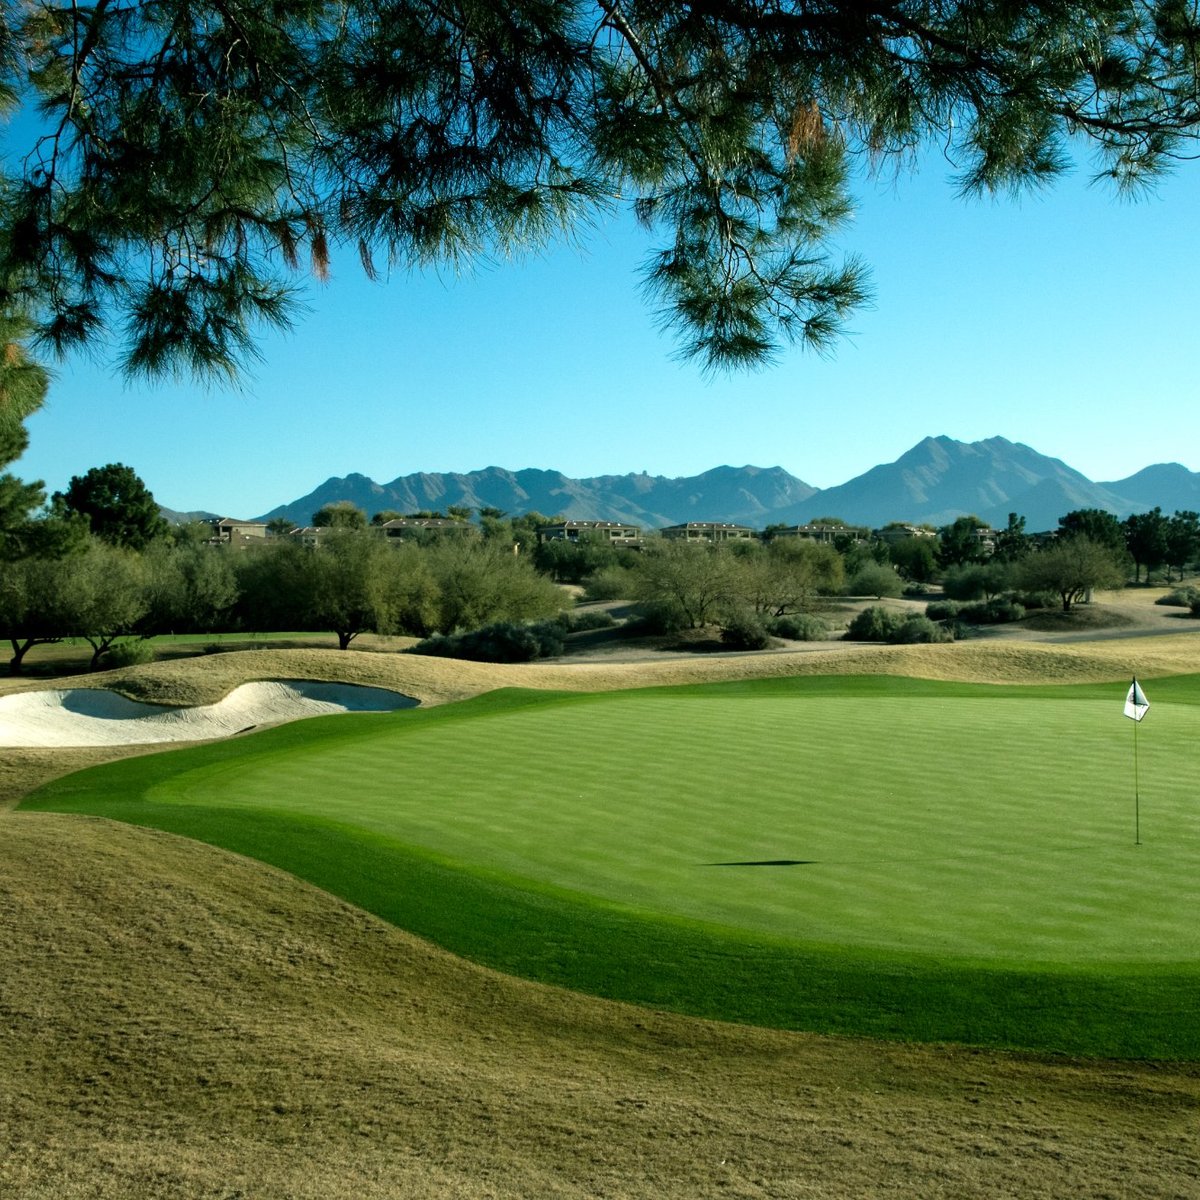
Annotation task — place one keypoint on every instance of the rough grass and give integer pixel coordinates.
(177, 1021)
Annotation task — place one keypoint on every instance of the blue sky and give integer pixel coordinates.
(1064, 320)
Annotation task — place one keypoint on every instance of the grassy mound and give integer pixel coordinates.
(177, 1021)
(914, 860)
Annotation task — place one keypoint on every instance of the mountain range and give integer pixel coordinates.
(934, 482)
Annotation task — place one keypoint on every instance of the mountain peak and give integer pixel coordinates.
(937, 480)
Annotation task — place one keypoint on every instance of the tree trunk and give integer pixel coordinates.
(17, 662)
(99, 646)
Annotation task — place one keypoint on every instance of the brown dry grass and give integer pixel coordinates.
(177, 1021)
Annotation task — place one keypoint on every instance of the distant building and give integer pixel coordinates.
(615, 533)
(416, 527)
(822, 532)
(708, 531)
(230, 531)
(309, 535)
(897, 533)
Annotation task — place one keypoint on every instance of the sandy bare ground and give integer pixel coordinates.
(57, 717)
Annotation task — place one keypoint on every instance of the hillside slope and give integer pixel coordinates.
(176, 1021)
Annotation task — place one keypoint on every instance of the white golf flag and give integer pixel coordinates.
(1136, 704)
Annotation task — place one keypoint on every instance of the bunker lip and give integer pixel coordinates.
(97, 717)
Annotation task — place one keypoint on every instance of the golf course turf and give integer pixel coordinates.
(882, 856)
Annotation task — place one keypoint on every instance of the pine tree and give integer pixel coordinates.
(188, 161)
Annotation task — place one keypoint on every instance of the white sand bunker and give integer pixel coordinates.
(93, 717)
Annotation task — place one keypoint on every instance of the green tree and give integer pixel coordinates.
(568, 560)
(1183, 540)
(384, 515)
(52, 533)
(22, 390)
(31, 613)
(858, 555)
(875, 579)
(914, 558)
(190, 533)
(959, 543)
(480, 582)
(17, 502)
(976, 581)
(192, 588)
(119, 507)
(1094, 524)
(102, 595)
(1072, 567)
(186, 162)
(788, 575)
(688, 585)
(351, 586)
(341, 514)
(1146, 541)
(352, 583)
(526, 529)
(1012, 542)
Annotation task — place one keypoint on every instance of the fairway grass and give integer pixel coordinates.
(902, 858)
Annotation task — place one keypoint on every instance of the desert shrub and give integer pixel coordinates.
(963, 582)
(874, 624)
(942, 610)
(129, 654)
(1031, 600)
(437, 645)
(502, 641)
(659, 617)
(1181, 597)
(997, 611)
(875, 579)
(1196, 607)
(549, 636)
(611, 583)
(745, 631)
(580, 622)
(799, 627)
(877, 624)
(916, 628)
(915, 590)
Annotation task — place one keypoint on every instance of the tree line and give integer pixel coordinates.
(98, 563)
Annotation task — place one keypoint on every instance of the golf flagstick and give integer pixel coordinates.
(1137, 799)
(1136, 707)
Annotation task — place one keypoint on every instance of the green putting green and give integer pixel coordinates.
(883, 856)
